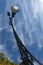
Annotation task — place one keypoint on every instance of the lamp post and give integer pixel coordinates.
(22, 49)
(26, 57)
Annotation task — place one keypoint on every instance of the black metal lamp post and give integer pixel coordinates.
(26, 57)
(20, 45)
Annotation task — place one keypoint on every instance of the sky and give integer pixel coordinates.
(28, 23)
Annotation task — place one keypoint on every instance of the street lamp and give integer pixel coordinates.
(14, 10)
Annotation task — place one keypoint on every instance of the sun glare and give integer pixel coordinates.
(41, 5)
(41, 1)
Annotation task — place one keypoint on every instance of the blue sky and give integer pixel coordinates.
(28, 24)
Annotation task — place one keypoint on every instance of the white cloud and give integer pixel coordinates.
(35, 7)
(19, 59)
(14, 47)
(35, 63)
(9, 56)
(41, 3)
(8, 29)
(2, 28)
(1, 47)
(0, 19)
(39, 46)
